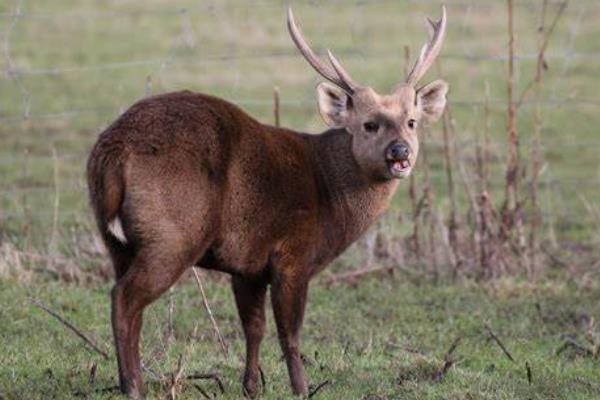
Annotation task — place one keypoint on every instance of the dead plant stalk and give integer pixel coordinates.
(276, 106)
(449, 155)
(482, 153)
(210, 314)
(536, 151)
(412, 186)
(510, 216)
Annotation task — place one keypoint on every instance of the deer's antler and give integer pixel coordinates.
(337, 75)
(429, 51)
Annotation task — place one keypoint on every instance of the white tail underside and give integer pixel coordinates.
(116, 229)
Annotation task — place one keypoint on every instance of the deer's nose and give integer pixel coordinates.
(398, 152)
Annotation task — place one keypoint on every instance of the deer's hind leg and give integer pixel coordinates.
(171, 230)
(250, 300)
(121, 255)
(153, 271)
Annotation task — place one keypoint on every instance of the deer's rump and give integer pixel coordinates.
(182, 169)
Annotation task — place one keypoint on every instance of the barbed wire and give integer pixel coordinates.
(201, 8)
(305, 104)
(349, 54)
(11, 70)
(18, 74)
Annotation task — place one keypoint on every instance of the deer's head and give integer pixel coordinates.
(383, 127)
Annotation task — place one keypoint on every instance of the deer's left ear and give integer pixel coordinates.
(431, 99)
(334, 105)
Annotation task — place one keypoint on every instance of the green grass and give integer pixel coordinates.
(239, 51)
(384, 337)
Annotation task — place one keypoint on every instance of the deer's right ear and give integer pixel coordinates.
(334, 105)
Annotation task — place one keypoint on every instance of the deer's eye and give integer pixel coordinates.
(371, 126)
(412, 123)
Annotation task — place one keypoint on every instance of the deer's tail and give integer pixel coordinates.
(106, 189)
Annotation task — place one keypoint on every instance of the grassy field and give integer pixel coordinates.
(71, 67)
(384, 339)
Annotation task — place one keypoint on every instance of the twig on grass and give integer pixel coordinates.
(453, 347)
(569, 342)
(70, 326)
(554, 258)
(499, 342)
(158, 376)
(107, 389)
(202, 391)
(355, 274)
(92, 374)
(210, 375)
(175, 378)
(448, 360)
(317, 388)
(263, 380)
(439, 375)
(406, 348)
(210, 314)
(529, 374)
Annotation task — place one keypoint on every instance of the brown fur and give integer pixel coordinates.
(195, 181)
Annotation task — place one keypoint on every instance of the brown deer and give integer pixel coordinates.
(185, 179)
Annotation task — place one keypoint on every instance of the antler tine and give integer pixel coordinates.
(338, 75)
(429, 51)
(342, 73)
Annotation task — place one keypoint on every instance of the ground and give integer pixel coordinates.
(384, 338)
(69, 68)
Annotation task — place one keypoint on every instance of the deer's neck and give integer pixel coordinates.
(350, 201)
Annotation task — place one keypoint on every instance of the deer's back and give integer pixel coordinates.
(198, 168)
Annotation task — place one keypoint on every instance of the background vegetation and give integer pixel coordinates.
(70, 67)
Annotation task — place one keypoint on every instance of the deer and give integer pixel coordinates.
(185, 179)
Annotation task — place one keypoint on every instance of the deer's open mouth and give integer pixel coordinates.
(399, 168)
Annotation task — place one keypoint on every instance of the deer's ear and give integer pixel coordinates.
(431, 99)
(334, 104)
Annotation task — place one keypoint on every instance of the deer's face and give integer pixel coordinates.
(383, 128)
(385, 142)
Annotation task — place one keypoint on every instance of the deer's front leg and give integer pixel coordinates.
(250, 301)
(288, 296)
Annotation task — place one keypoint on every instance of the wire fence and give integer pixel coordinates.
(17, 72)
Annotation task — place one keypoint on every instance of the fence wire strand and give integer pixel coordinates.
(18, 75)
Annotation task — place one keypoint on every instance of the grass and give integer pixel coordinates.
(384, 337)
